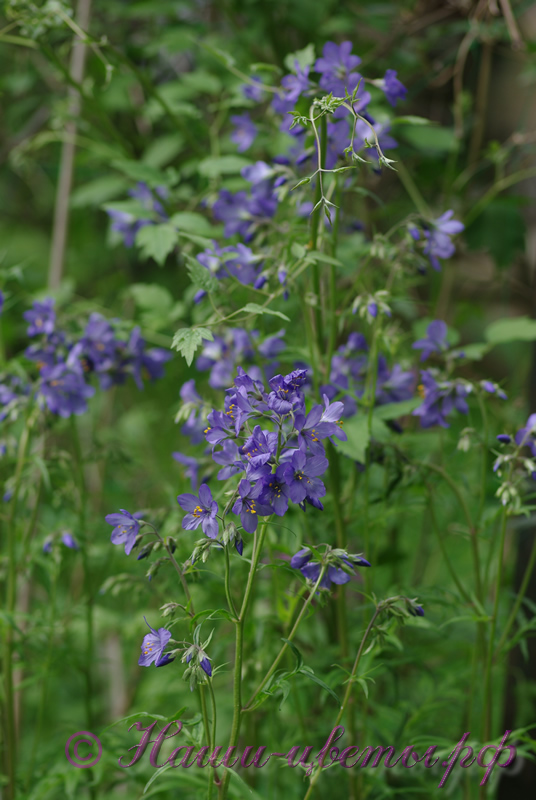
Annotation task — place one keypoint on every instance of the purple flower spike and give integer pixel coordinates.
(153, 647)
(126, 528)
(201, 511)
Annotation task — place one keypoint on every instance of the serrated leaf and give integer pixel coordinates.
(200, 276)
(157, 241)
(187, 340)
(255, 308)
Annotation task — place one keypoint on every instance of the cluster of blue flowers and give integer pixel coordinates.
(65, 363)
(282, 458)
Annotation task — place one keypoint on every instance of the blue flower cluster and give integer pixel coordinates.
(64, 362)
(281, 459)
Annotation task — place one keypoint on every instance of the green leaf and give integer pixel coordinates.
(357, 431)
(187, 340)
(141, 172)
(517, 329)
(200, 276)
(310, 674)
(475, 351)
(202, 241)
(157, 241)
(411, 120)
(152, 297)
(96, 192)
(299, 657)
(362, 682)
(316, 255)
(305, 58)
(214, 166)
(255, 308)
(434, 139)
(163, 149)
(191, 222)
(395, 410)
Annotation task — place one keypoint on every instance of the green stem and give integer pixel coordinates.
(212, 745)
(379, 608)
(315, 223)
(239, 647)
(487, 715)
(230, 601)
(290, 637)
(11, 594)
(519, 599)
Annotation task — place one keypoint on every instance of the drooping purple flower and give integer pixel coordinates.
(435, 340)
(526, 436)
(493, 388)
(244, 133)
(69, 541)
(201, 510)
(41, 317)
(439, 244)
(301, 560)
(152, 649)
(248, 505)
(206, 666)
(126, 529)
(393, 88)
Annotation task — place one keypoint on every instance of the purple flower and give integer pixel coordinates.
(438, 244)
(244, 133)
(206, 666)
(526, 436)
(252, 92)
(275, 492)
(229, 459)
(435, 340)
(126, 529)
(64, 390)
(247, 506)
(201, 511)
(260, 446)
(492, 388)
(440, 398)
(192, 467)
(69, 541)
(153, 647)
(295, 84)
(1, 302)
(337, 67)
(393, 88)
(333, 574)
(393, 386)
(301, 475)
(42, 317)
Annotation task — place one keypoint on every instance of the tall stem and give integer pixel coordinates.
(379, 608)
(239, 647)
(11, 593)
(315, 223)
(283, 650)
